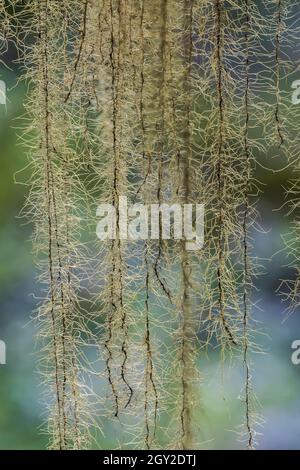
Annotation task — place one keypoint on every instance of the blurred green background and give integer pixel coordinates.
(275, 378)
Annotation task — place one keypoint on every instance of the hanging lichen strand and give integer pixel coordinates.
(288, 105)
(117, 69)
(160, 102)
(54, 206)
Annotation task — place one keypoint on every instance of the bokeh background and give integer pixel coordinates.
(276, 379)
